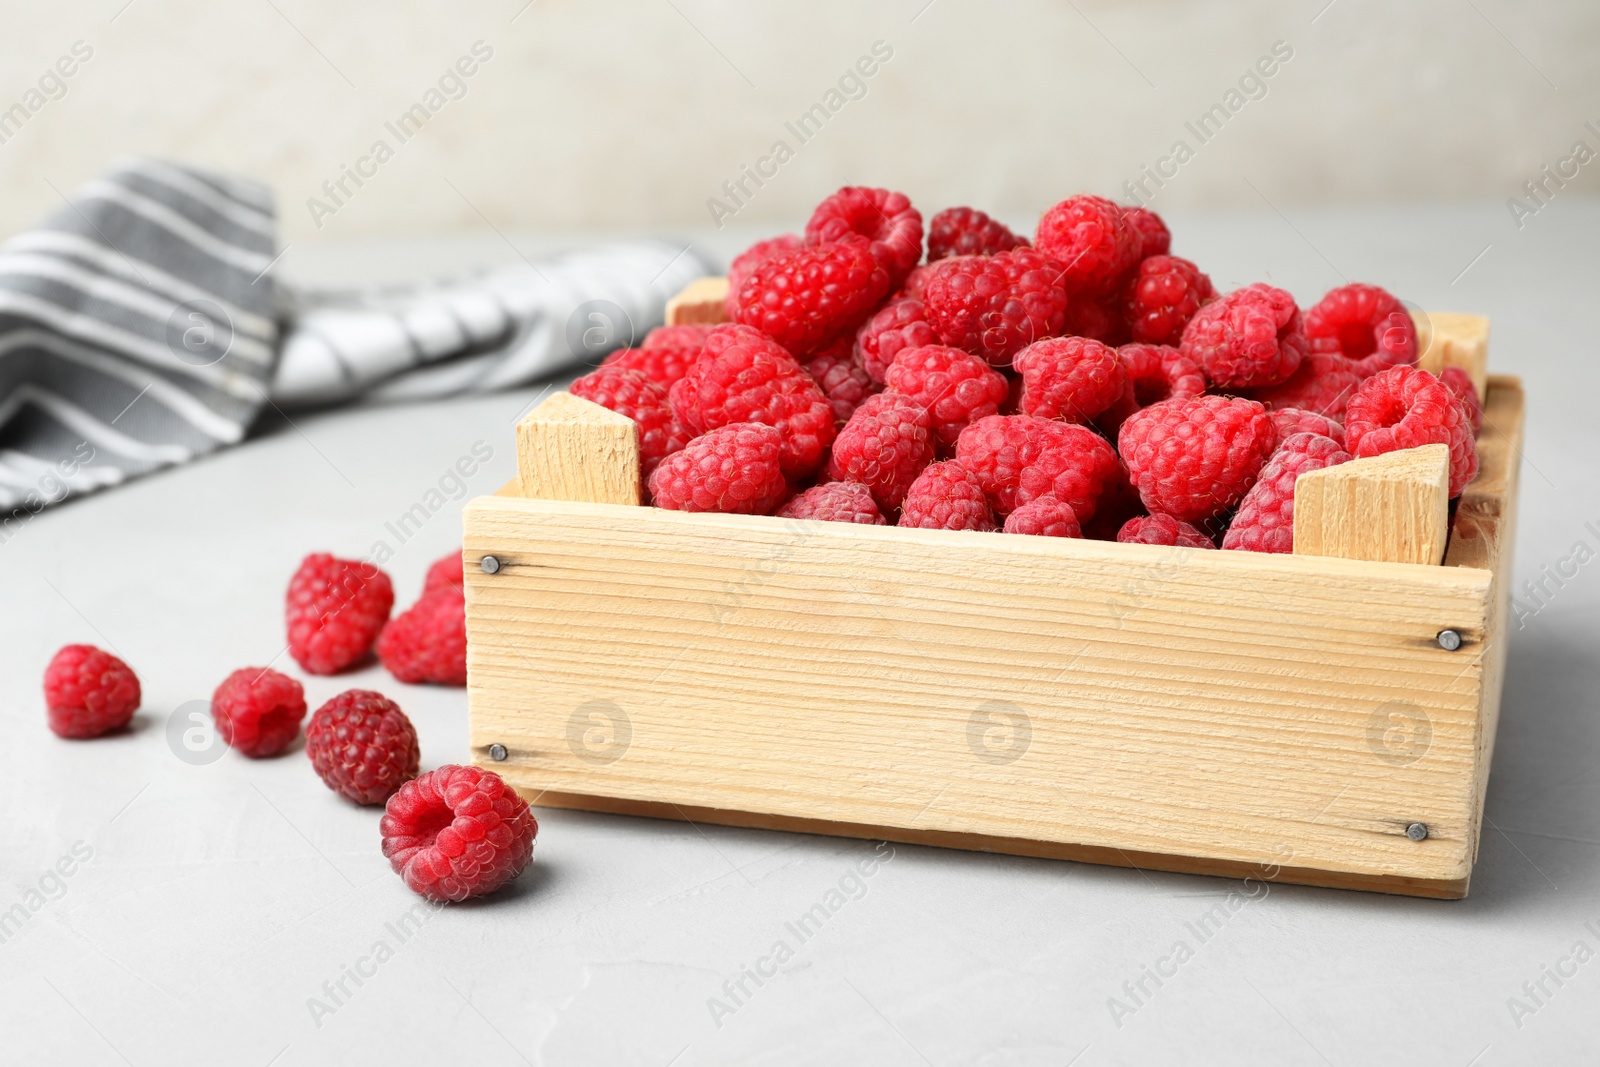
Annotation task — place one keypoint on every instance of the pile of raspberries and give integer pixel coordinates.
(451, 833)
(1084, 384)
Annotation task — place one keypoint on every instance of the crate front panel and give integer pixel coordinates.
(1272, 709)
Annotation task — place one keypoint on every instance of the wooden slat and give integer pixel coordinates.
(571, 449)
(1453, 339)
(1394, 508)
(702, 300)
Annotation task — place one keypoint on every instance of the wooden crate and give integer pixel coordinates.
(1288, 717)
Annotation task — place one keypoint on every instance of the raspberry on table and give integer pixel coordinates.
(1366, 325)
(884, 446)
(88, 692)
(1404, 407)
(952, 386)
(428, 641)
(1071, 378)
(1291, 421)
(457, 832)
(630, 393)
(1265, 519)
(1162, 530)
(1093, 242)
(945, 496)
(1249, 338)
(1044, 517)
(1154, 237)
(1324, 384)
(735, 469)
(444, 573)
(901, 323)
(886, 219)
(333, 610)
(749, 260)
(362, 746)
(995, 306)
(805, 298)
(1020, 458)
(258, 711)
(842, 378)
(1196, 457)
(662, 364)
(1459, 382)
(966, 231)
(834, 502)
(681, 335)
(1161, 297)
(747, 377)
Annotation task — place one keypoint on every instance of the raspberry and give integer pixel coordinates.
(1364, 324)
(630, 393)
(884, 446)
(457, 832)
(1265, 519)
(428, 641)
(1251, 337)
(88, 692)
(662, 364)
(1404, 407)
(1196, 457)
(1071, 378)
(966, 231)
(952, 386)
(334, 610)
(842, 379)
(683, 335)
(1459, 382)
(805, 298)
(1045, 517)
(258, 711)
(1160, 372)
(1323, 384)
(886, 219)
(733, 468)
(362, 746)
(1020, 458)
(995, 306)
(945, 496)
(899, 324)
(1094, 244)
(1162, 296)
(1291, 421)
(1162, 530)
(746, 377)
(834, 502)
(915, 282)
(1154, 237)
(444, 573)
(749, 260)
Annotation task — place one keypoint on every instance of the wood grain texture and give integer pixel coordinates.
(1393, 508)
(1454, 339)
(571, 449)
(702, 300)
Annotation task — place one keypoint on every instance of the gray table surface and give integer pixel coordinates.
(218, 899)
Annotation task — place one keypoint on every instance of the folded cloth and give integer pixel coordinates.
(140, 327)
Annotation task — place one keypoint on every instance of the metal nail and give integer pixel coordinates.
(497, 752)
(490, 564)
(1417, 831)
(1449, 640)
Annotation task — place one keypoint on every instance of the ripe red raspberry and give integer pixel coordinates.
(444, 573)
(1249, 338)
(1323, 384)
(884, 446)
(746, 377)
(1460, 383)
(1160, 372)
(842, 379)
(1265, 519)
(952, 386)
(662, 364)
(1154, 237)
(1291, 421)
(1404, 407)
(682, 335)
(362, 746)
(945, 496)
(899, 324)
(334, 610)
(884, 218)
(88, 692)
(1071, 378)
(834, 502)
(805, 298)
(749, 260)
(457, 832)
(995, 306)
(1364, 324)
(966, 231)
(1162, 530)
(1093, 242)
(630, 393)
(1045, 517)
(1162, 296)
(258, 711)
(428, 641)
(1196, 457)
(1020, 458)
(734, 469)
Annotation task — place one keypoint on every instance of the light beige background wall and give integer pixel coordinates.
(631, 115)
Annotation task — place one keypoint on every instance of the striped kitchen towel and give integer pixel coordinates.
(140, 326)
